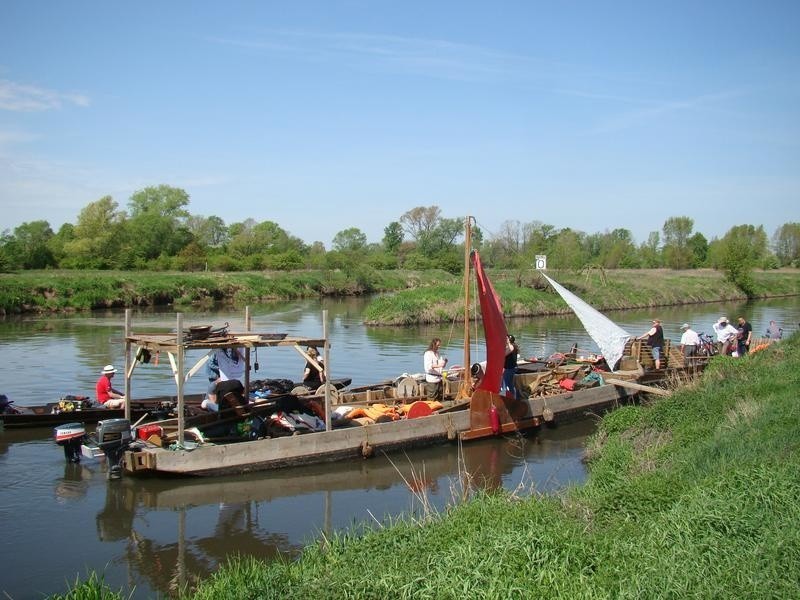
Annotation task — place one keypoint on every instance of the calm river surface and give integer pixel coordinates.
(150, 537)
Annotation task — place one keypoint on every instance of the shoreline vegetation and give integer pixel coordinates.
(693, 494)
(401, 297)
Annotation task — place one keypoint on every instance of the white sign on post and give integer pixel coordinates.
(541, 262)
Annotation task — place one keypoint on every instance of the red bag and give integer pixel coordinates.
(567, 383)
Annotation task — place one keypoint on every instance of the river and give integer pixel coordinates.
(150, 537)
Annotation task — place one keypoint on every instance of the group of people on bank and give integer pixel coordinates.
(734, 340)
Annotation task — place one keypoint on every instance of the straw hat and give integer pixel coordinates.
(685, 326)
(109, 369)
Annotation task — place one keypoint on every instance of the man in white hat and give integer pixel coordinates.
(106, 394)
(726, 335)
(689, 342)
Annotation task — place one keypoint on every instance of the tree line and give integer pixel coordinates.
(157, 232)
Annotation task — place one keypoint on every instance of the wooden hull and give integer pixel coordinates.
(352, 442)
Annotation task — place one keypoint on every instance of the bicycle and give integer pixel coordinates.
(707, 347)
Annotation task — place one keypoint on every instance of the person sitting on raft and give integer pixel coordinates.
(106, 394)
(313, 374)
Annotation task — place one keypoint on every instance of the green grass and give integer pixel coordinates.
(42, 291)
(530, 295)
(695, 495)
(409, 297)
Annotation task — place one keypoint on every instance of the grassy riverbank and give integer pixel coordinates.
(694, 495)
(408, 297)
(529, 295)
(43, 291)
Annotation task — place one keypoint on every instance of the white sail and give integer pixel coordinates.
(609, 337)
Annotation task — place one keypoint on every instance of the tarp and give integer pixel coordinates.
(494, 327)
(609, 337)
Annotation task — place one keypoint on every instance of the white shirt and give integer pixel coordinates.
(228, 368)
(725, 333)
(690, 338)
(433, 366)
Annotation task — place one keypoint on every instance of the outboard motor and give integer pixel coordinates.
(113, 438)
(7, 406)
(70, 436)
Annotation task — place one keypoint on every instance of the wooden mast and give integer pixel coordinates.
(465, 389)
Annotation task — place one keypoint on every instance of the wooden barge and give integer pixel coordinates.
(473, 409)
(449, 425)
(476, 409)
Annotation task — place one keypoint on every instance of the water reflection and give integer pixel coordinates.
(161, 535)
(74, 485)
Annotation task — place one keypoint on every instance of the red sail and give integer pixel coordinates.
(494, 327)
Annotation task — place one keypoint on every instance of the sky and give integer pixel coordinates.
(327, 115)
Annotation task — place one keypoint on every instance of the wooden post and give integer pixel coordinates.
(127, 364)
(463, 388)
(179, 375)
(247, 328)
(327, 370)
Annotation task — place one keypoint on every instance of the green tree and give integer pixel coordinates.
(506, 248)
(698, 245)
(285, 261)
(99, 236)
(612, 250)
(649, 251)
(350, 240)
(786, 243)
(539, 237)
(191, 258)
(157, 223)
(676, 251)
(57, 244)
(9, 253)
(32, 247)
(161, 200)
(150, 235)
(568, 251)
(433, 235)
(742, 247)
(380, 259)
(392, 237)
(442, 239)
(755, 239)
(420, 221)
(210, 232)
(234, 229)
(266, 237)
(316, 255)
(737, 264)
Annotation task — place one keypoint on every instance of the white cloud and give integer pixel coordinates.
(9, 138)
(662, 108)
(20, 97)
(428, 57)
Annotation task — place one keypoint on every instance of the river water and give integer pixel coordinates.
(151, 537)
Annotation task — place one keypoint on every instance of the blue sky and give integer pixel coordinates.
(327, 115)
